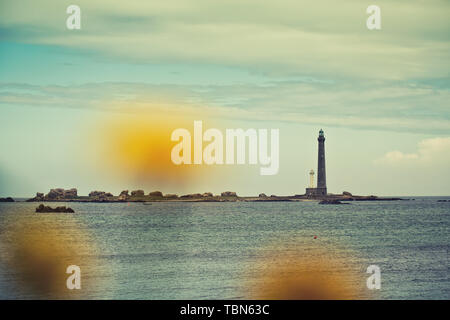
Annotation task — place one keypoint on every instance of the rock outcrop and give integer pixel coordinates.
(137, 193)
(100, 196)
(93, 194)
(171, 196)
(346, 193)
(123, 196)
(39, 195)
(191, 196)
(70, 194)
(55, 194)
(7, 199)
(262, 195)
(156, 194)
(228, 194)
(207, 195)
(58, 194)
(47, 209)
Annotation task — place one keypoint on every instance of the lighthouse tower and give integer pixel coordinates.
(321, 189)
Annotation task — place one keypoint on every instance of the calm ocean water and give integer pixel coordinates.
(204, 250)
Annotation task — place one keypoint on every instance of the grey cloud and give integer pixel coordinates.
(385, 106)
(284, 36)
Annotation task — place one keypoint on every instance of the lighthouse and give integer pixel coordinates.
(321, 189)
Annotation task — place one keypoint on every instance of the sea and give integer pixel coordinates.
(211, 250)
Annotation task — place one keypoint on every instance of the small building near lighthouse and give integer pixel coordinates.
(311, 178)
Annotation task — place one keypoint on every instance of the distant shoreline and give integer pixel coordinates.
(71, 195)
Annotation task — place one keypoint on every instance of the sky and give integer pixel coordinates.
(381, 96)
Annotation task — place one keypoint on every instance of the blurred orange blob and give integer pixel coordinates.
(39, 248)
(138, 146)
(143, 146)
(311, 273)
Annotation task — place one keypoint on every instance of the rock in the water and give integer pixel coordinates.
(156, 194)
(228, 194)
(7, 199)
(48, 209)
(331, 201)
(137, 193)
(346, 193)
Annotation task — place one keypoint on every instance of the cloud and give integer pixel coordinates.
(316, 63)
(387, 106)
(430, 152)
(275, 37)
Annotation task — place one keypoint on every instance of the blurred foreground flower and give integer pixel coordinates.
(38, 248)
(308, 273)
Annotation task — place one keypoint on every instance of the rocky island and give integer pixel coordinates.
(7, 199)
(71, 195)
(46, 209)
(317, 193)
